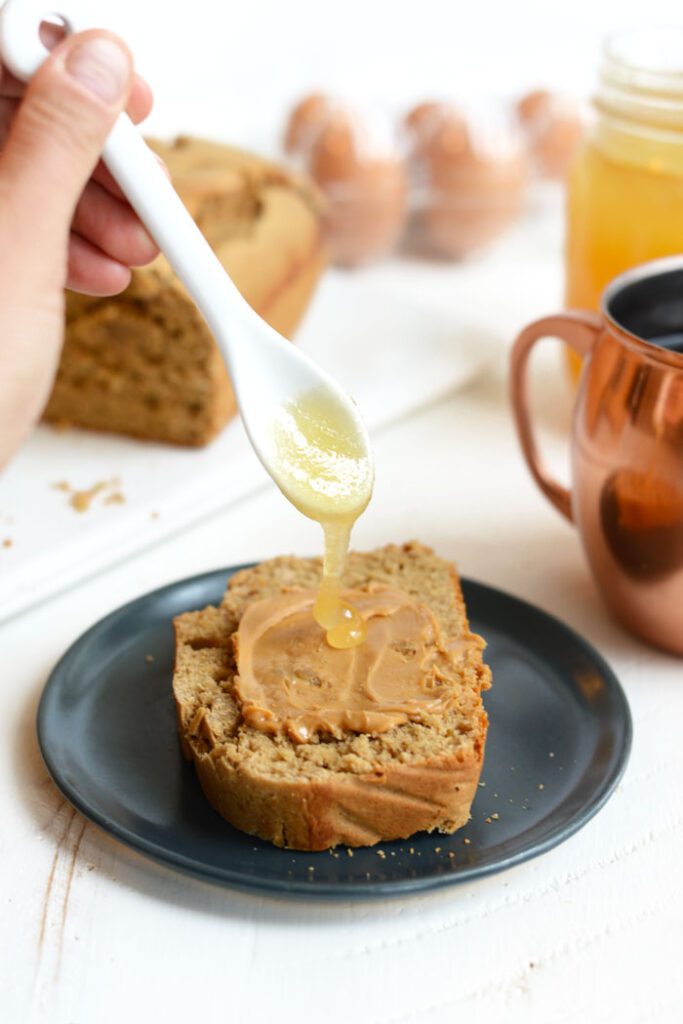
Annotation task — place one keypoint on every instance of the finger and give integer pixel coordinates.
(57, 136)
(140, 100)
(112, 226)
(8, 110)
(139, 107)
(102, 175)
(9, 85)
(91, 272)
(139, 104)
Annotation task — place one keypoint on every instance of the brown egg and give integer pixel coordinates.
(305, 121)
(472, 193)
(445, 152)
(420, 122)
(333, 155)
(366, 194)
(434, 126)
(533, 105)
(553, 129)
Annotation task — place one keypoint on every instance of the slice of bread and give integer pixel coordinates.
(356, 790)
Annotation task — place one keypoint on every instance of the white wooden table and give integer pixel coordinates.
(592, 932)
(92, 933)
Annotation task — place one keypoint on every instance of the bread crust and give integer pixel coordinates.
(351, 810)
(311, 809)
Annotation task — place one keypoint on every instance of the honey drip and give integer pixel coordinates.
(326, 473)
(344, 625)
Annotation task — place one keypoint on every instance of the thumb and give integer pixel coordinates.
(58, 134)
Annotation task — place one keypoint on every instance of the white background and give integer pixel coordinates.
(247, 60)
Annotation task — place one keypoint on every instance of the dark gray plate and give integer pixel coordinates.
(558, 742)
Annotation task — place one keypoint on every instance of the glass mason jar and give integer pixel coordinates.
(625, 191)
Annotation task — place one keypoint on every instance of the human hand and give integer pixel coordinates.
(63, 221)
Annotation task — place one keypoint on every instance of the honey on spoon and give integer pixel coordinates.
(324, 468)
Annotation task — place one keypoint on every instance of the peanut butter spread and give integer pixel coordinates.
(290, 680)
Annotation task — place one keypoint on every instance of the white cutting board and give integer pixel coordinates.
(390, 352)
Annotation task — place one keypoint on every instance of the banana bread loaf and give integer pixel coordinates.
(357, 788)
(144, 362)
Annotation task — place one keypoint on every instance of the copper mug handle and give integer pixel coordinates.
(578, 330)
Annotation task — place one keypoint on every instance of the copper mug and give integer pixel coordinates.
(626, 444)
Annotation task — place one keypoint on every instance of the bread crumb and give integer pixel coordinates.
(81, 500)
(495, 816)
(551, 754)
(541, 786)
(7, 542)
(150, 658)
(467, 842)
(451, 854)
(437, 849)
(311, 867)
(367, 875)
(487, 820)
(481, 785)
(349, 851)
(382, 854)
(411, 850)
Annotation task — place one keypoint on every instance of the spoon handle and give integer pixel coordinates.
(139, 175)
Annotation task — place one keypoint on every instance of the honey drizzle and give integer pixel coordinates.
(344, 625)
(326, 473)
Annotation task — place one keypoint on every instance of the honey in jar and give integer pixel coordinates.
(625, 193)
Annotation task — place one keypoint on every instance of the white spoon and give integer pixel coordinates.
(268, 373)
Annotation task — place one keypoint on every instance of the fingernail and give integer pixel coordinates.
(102, 66)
